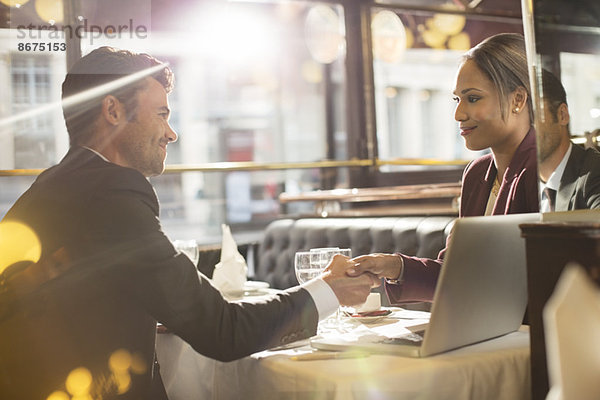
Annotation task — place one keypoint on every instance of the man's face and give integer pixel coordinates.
(142, 143)
(551, 133)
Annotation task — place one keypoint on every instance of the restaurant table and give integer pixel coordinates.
(494, 369)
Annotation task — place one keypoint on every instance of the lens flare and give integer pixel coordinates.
(18, 242)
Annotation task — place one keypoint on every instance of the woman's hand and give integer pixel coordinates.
(380, 264)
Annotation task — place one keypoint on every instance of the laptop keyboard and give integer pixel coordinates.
(410, 339)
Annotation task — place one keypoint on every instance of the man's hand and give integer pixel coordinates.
(350, 291)
(382, 265)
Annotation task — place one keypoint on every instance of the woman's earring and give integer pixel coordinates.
(516, 110)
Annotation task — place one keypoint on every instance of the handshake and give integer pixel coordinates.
(353, 278)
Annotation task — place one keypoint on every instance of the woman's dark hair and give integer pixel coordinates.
(503, 59)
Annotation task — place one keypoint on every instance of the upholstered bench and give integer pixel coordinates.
(423, 236)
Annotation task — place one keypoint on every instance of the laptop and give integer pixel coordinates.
(481, 291)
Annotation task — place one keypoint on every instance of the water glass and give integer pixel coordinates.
(189, 248)
(307, 266)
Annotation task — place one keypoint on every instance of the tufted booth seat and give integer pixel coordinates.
(423, 236)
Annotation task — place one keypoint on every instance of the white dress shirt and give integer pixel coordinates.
(554, 181)
(323, 296)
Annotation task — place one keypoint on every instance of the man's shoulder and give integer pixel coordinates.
(592, 155)
(88, 169)
(587, 159)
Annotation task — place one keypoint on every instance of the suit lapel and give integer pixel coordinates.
(568, 182)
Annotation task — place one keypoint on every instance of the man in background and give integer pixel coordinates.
(570, 174)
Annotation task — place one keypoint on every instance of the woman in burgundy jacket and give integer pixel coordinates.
(494, 112)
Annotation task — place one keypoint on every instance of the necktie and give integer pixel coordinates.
(551, 196)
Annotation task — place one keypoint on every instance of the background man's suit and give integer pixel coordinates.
(580, 182)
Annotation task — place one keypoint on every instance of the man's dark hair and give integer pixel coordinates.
(553, 93)
(102, 66)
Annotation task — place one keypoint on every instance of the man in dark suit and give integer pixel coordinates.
(570, 175)
(83, 319)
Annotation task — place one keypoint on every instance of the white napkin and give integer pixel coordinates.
(230, 273)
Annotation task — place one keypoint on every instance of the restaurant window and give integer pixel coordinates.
(256, 82)
(581, 79)
(416, 51)
(32, 130)
(33, 137)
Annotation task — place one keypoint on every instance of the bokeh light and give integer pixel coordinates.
(123, 381)
(58, 395)
(449, 24)
(460, 41)
(138, 364)
(120, 361)
(83, 397)
(13, 3)
(79, 381)
(18, 242)
(50, 10)
(389, 36)
(311, 71)
(324, 33)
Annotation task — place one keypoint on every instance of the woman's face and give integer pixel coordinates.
(478, 109)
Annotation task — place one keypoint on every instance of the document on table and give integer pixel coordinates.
(399, 323)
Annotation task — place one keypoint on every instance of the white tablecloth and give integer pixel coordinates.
(496, 369)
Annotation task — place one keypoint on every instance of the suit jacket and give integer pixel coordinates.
(518, 194)
(580, 184)
(124, 276)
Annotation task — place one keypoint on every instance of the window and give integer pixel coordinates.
(415, 58)
(256, 82)
(34, 145)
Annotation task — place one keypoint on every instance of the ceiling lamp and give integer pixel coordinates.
(13, 3)
(50, 10)
(389, 37)
(324, 34)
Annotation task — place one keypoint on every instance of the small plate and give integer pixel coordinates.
(369, 317)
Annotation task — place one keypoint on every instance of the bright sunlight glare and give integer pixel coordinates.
(233, 35)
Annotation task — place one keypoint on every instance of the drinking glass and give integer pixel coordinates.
(189, 248)
(310, 264)
(323, 255)
(321, 258)
(307, 266)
